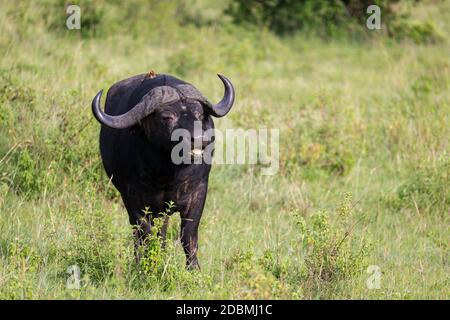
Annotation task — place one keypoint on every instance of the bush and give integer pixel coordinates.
(22, 262)
(323, 255)
(92, 245)
(159, 267)
(92, 18)
(416, 31)
(285, 17)
(255, 279)
(426, 189)
(329, 253)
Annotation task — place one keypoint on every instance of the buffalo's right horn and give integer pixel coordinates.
(217, 110)
(220, 109)
(158, 96)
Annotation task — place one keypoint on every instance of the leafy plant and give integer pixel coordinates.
(329, 253)
(324, 17)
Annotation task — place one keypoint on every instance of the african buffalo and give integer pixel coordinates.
(141, 113)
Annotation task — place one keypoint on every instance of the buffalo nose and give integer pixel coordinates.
(199, 140)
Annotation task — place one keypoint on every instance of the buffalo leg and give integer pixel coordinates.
(189, 240)
(190, 221)
(163, 232)
(141, 229)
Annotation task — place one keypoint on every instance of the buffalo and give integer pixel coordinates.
(141, 114)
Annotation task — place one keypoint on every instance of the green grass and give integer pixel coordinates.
(367, 119)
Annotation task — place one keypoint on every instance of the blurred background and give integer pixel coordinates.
(364, 152)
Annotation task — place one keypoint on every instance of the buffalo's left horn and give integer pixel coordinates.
(224, 106)
(158, 96)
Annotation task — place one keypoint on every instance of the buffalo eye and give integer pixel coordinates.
(168, 116)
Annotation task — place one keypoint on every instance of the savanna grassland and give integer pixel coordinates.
(364, 156)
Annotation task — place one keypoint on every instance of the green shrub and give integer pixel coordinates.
(102, 18)
(426, 189)
(28, 177)
(14, 92)
(22, 262)
(255, 279)
(321, 16)
(92, 18)
(329, 252)
(91, 241)
(323, 255)
(416, 31)
(160, 267)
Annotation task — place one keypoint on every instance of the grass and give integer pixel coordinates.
(364, 159)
